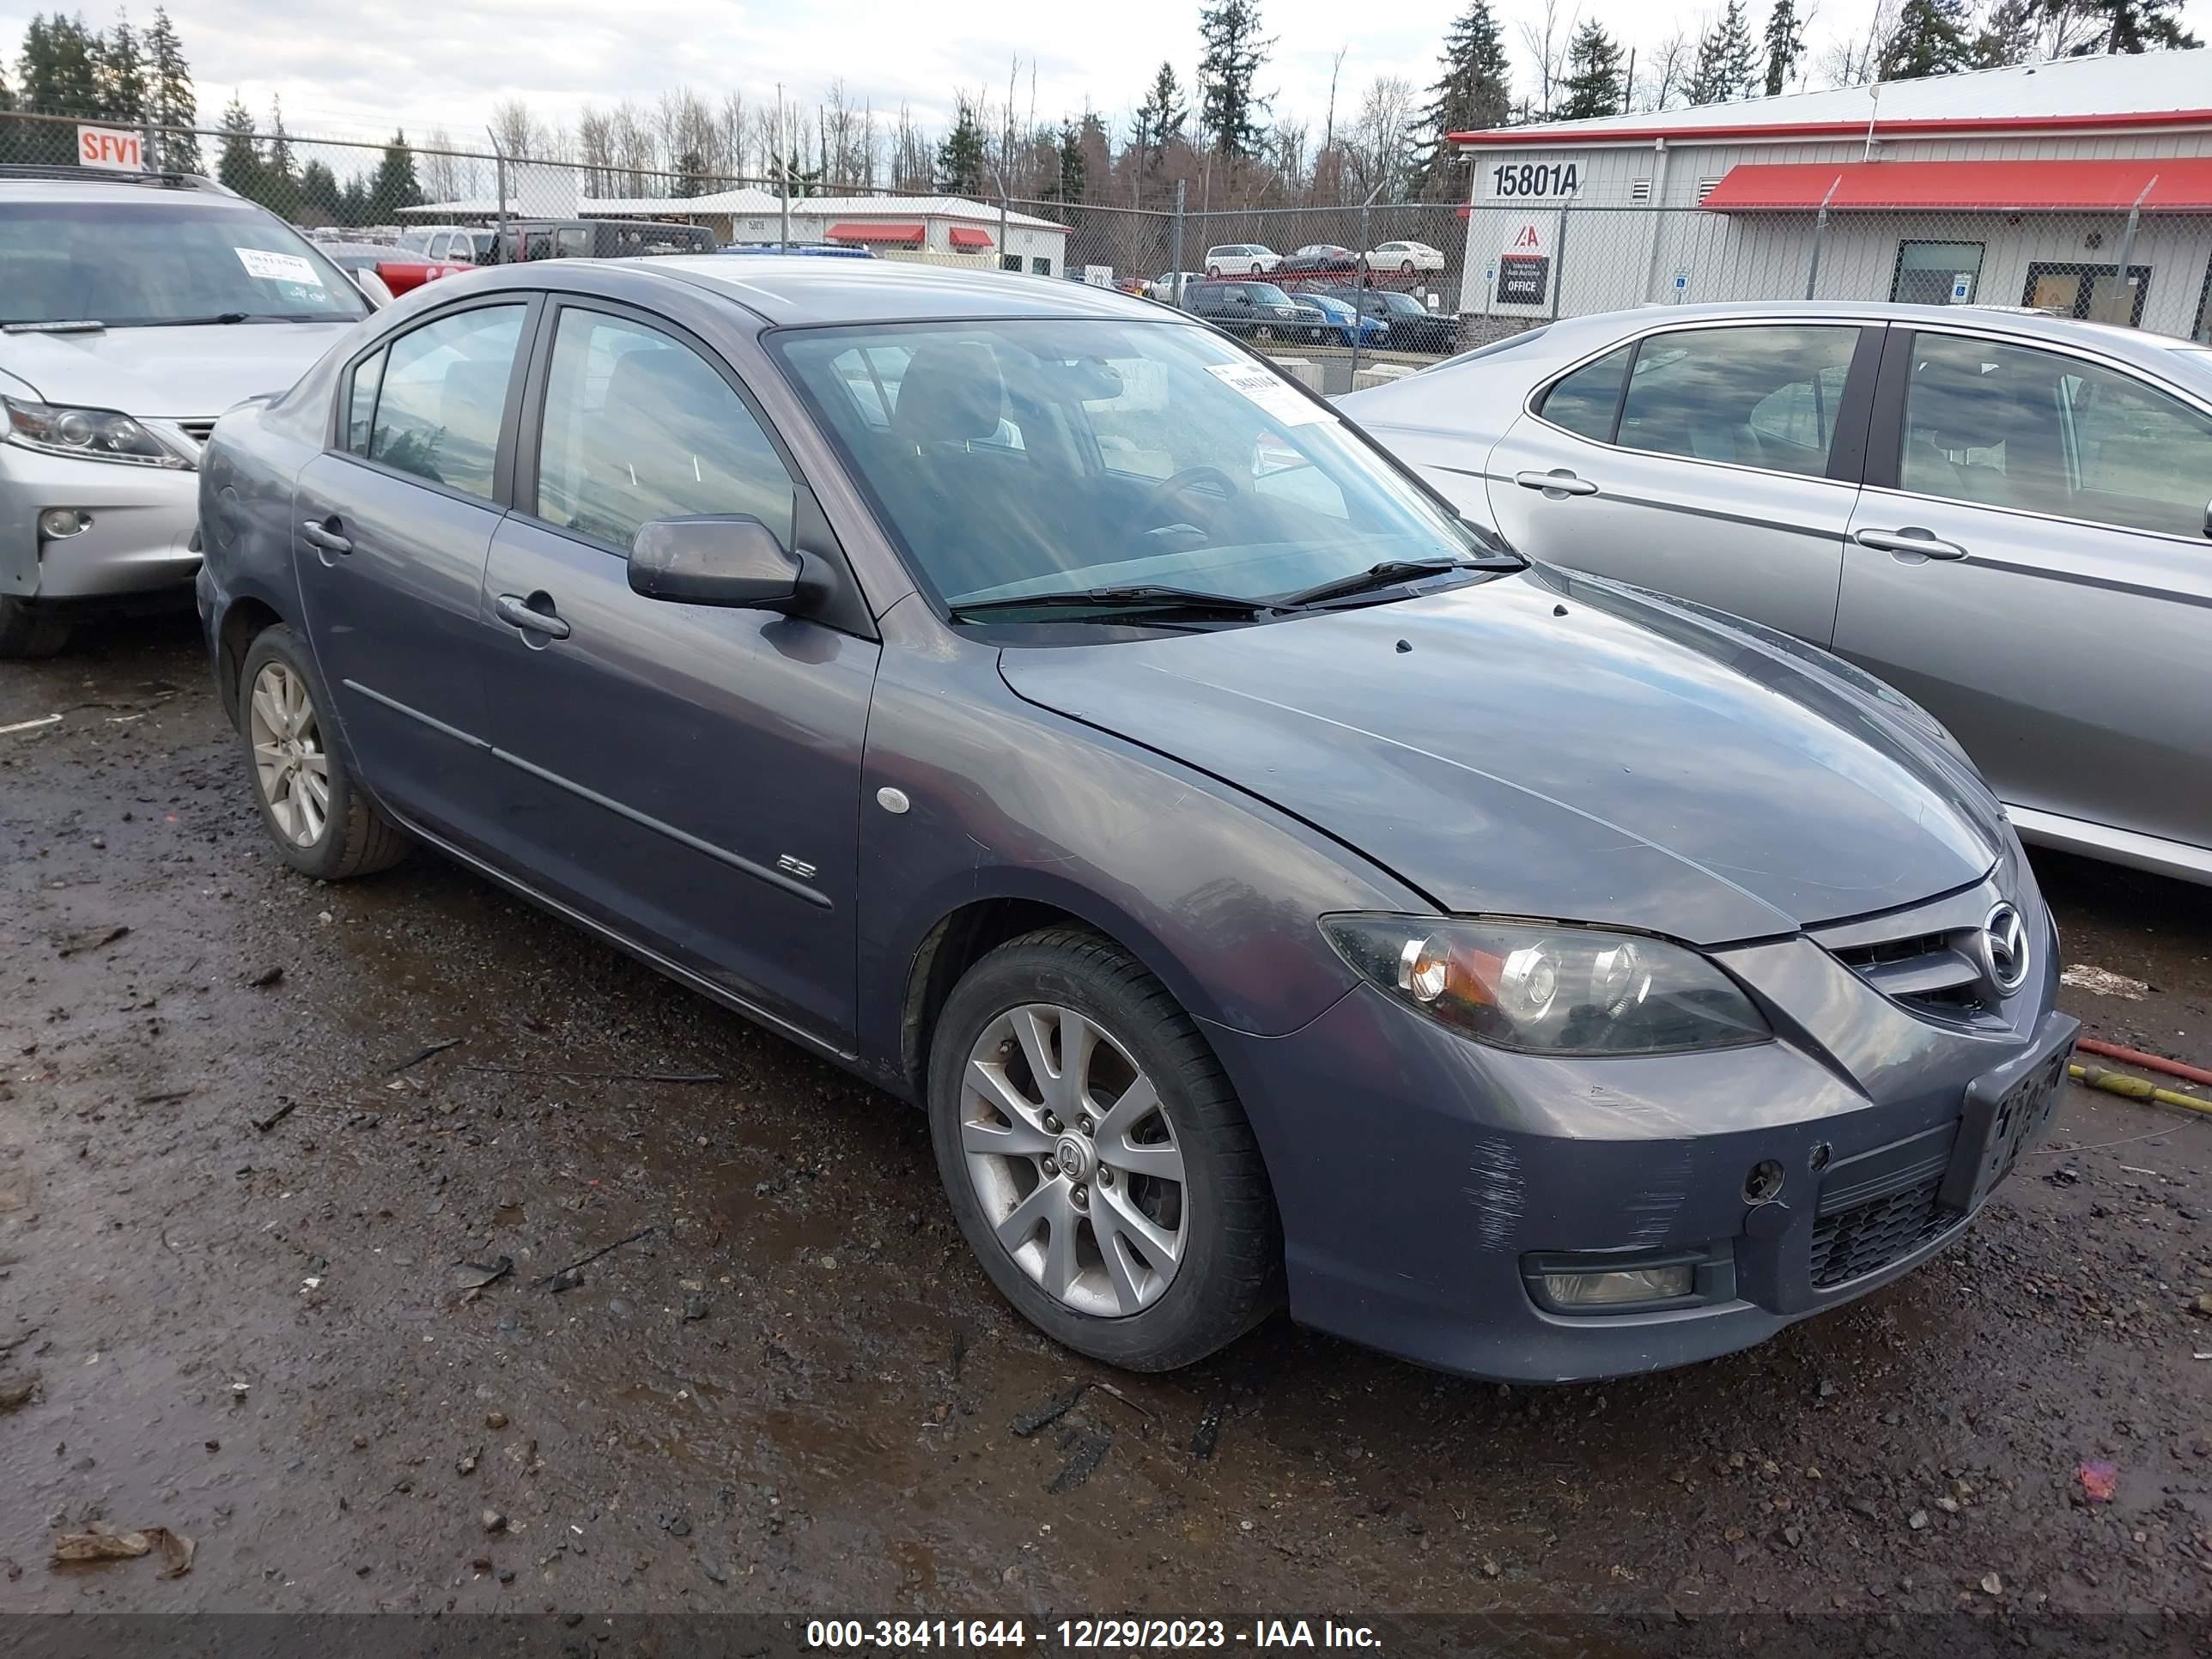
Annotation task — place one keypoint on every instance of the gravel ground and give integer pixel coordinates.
(235, 1183)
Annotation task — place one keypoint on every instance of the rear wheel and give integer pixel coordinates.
(25, 631)
(1406, 268)
(1095, 1157)
(322, 824)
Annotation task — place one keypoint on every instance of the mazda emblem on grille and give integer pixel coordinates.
(2005, 950)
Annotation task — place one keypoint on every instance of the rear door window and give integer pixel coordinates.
(1758, 396)
(444, 395)
(1585, 402)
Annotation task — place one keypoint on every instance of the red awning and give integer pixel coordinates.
(2161, 184)
(969, 236)
(899, 235)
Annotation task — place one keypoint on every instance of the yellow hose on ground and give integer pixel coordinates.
(2136, 1088)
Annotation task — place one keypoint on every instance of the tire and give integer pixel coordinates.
(1213, 273)
(1406, 268)
(25, 632)
(329, 830)
(1161, 1310)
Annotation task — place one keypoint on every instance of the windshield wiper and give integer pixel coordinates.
(1145, 598)
(1388, 574)
(72, 326)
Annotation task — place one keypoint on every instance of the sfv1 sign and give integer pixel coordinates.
(115, 148)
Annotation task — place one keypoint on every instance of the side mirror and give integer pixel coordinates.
(730, 559)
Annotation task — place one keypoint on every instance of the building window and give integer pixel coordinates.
(2091, 292)
(1010, 262)
(1039, 265)
(1936, 273)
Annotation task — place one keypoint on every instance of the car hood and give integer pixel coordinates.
(169, 373)
(1548, 745)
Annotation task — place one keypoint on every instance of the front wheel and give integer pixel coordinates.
(1095, 1157)
(322, 824)
(27, 632)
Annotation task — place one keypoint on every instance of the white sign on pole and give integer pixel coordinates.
(117, 149)
(1962, 287)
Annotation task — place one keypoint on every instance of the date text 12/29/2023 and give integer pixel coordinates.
(1085, 1635)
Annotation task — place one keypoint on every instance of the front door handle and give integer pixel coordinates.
(1558, 482)
(515, 610)
(1909, 541)
(317, 533)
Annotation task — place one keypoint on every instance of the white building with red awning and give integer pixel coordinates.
(2081, 187)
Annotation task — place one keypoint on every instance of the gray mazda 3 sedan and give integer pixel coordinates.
(1273, 886)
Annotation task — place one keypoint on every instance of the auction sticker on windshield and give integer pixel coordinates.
(1273, 393)
(278, 267)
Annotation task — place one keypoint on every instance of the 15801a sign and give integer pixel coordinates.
(1539, 179)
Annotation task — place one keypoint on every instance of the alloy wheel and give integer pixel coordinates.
(1074, 1160)
(288, 754)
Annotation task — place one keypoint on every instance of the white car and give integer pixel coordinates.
(133, 311)
(1405, 256)
(1240, 260)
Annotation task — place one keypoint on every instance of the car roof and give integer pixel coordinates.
(75, 184)
(793, 291)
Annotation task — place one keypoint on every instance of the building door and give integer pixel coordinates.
(1936, 273)
(2091, 292)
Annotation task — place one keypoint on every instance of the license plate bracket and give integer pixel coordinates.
(2006, 1111)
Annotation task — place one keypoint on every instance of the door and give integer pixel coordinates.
(393, 525)
(688, 774)
(2055, 618)
(2093, 293)
(1717, 464)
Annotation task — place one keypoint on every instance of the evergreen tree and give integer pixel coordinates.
(7, 98)
(2007, 35)
(1592, 85)
(1728, 59)
(354, 207)
(60, 76)
(394, 187)
(1785, 42)
(280, 186)
(171, 106)
(1230, 105)
(1930, 39)
(239, 167)
(690, 174)
(1069, 186)
(1473, 94)
(121, 69)
(960, 157)
(2133, 26)
(1161, 117)
(321, 201)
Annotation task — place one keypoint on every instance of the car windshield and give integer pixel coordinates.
(132, 263)
(1019, 458)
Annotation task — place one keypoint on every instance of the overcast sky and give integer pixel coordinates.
(361, 68)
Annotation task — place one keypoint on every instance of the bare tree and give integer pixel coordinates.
(1669, 67)
(1380, 152)
(1546, 37)
(730, 148)
(913, 166)
(518, 130)
(438, 171)
(1848, 62)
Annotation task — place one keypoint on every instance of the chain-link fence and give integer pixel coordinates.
(1345, 294)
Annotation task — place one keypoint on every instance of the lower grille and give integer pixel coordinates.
(1867, 1237)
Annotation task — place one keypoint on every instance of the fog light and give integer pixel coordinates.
(1606, 1290)
(59, 523)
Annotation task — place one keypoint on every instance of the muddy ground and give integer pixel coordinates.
(229, 1228)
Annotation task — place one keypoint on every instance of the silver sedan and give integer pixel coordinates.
(2006, 517)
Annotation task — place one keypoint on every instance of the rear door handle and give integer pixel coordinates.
(316, 533)
(513, 608)
(1910, 540)
(1558, 482)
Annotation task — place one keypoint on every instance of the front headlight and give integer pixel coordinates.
(1552, 990)
(91, 435)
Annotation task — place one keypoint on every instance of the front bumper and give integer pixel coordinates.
(142, 538)
(1421, 1176)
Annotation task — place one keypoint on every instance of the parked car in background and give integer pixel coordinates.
(803, 250)
(1320, 258)
(134, 309)
(1169, 287)
(597, 239)
(1408, 325)
(1251, 310)
(1405, 258)
(1342, 322)
(1136, 826)
(1240, 260)
(397, 270)
(2008, 517)
(450, 244)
